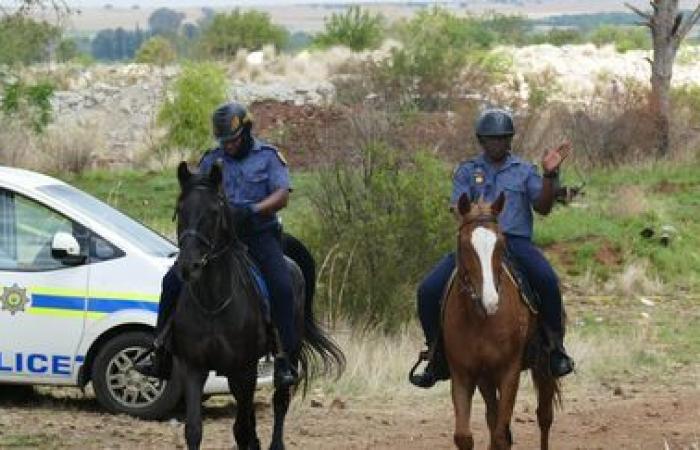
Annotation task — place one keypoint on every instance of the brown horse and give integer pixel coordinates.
(489, 332)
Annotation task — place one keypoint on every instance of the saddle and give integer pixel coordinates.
(527, 294)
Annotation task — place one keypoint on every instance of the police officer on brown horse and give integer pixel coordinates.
(496, 170)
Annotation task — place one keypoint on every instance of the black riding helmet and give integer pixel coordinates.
(495, 122)
(230, 121)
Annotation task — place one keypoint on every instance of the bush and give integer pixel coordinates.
(157, 51)
(558, 37)
(382, 221)
(437, 45)
(251, 30)
(29, 103)
(356, 28)
(69, 149)
(187, 110)
(624, 38)
(24, 40)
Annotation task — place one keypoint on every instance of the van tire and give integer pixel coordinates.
(110, 358)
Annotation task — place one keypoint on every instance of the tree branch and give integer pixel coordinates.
(689, 23)
(646, 15)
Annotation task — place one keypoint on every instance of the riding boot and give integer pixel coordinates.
(156, 363)
(560, 363)
(285, 374)
(435, 370)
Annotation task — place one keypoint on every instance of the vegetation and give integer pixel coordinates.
(356, 28)
(624, 38)
(197, 91)
(237, 30)
(117, 44)
(157, 51)
(376, 231)
(24, 40)
(29, 103)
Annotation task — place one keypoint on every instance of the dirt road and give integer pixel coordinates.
(63, 418)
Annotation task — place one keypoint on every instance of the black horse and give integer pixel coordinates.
(219, 323)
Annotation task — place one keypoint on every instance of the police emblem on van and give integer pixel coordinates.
(14, 299)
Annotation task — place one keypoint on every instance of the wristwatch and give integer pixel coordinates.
(553, 174)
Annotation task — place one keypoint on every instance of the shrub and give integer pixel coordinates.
(186, 112)
(381, 222)
(30, 103)
(437, 45)
(157, 51)
(558, 37)
(69, 149)
(356, 28)
(624, 38)
(251, 30)
(25, 40)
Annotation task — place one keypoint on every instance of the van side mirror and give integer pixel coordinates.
(66, 249)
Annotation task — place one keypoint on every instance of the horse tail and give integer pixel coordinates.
(319, 354)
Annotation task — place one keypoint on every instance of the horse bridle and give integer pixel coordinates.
(212, 252)
(465, 282)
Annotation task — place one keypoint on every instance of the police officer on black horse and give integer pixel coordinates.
(497, 170)
(256, 184)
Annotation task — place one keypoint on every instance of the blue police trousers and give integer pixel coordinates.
(266, 250)
(531, 262)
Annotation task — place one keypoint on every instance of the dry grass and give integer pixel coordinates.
(70, 147)
(630, 201)
(65, 147)
(378, 363)
(635, 280)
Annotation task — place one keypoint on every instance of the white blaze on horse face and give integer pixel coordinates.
(484, 242)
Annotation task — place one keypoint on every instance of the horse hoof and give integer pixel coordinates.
(464, 442)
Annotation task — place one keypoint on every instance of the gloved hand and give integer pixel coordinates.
(242, 216)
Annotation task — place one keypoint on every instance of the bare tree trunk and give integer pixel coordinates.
(668, 29)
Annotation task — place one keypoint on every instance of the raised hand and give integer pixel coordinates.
(554, 157)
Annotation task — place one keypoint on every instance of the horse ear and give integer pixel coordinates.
(216, 173)
(183, 173)
(464, 204)
(497, 206)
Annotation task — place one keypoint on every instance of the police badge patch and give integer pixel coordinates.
(14, 299)
(479, 177)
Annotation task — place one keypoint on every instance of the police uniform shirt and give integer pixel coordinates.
(516, 178)
(253, 178)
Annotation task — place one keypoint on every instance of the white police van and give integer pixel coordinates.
(79, 289)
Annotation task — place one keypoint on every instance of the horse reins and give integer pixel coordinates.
(211, 254)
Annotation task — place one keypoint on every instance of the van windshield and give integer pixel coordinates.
(138, 234)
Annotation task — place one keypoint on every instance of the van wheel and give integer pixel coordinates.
(120, 389)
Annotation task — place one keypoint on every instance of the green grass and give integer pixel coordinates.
(671, 194)
(572, 236)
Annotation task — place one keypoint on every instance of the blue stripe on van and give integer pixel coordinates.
(100, 305)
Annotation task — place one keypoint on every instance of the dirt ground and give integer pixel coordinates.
(627, 419)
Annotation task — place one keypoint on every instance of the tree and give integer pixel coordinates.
(165, 21)
(356, 28)
(156, 50)
(668, 29)
(25, 40)
(249, 30)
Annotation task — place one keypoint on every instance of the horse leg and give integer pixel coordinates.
(242, 387)
(508, 390)
(281, 400)
(545, 405)
(194, 383)
(462, 393)
(488, 392)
